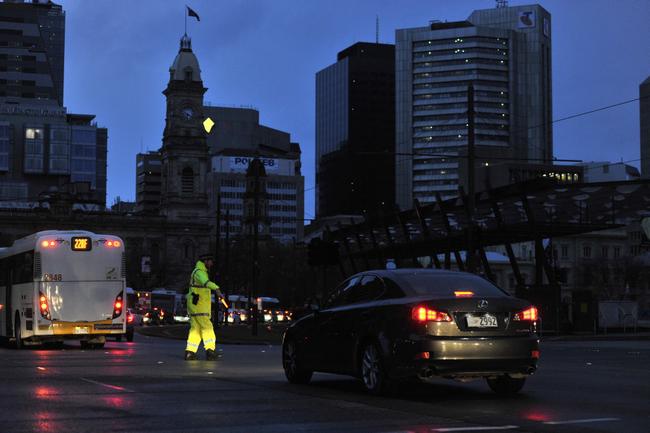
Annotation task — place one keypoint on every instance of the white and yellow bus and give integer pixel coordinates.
(60, 285)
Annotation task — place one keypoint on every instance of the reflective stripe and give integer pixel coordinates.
(199, 314)
(211, 340)
(192, 344)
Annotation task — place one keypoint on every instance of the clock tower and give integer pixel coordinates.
(184, 152)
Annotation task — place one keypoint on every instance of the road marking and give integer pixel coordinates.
(486, 428)
(580, 421)
(107, 385)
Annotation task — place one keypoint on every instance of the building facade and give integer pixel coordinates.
(236, 140)
(148, 177)
(505, 54)
(644, 123)
(355, 131)
(32, 43)
(603, 171)
(43, 148)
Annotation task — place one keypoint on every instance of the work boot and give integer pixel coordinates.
(211, 355)
(190, 356)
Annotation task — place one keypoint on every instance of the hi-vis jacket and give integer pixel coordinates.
(201, 285)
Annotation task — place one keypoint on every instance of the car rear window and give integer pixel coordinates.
(447, 284)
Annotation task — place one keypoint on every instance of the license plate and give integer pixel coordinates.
(80, 329)
(484, 321)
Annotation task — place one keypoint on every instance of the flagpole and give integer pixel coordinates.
(185, 20)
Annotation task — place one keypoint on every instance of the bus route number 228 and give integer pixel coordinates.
(52, 277)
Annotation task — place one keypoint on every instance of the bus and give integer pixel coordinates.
(61, 285)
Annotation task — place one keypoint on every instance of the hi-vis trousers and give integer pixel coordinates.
(201, 329)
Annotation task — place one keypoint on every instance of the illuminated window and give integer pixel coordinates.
(34, 133)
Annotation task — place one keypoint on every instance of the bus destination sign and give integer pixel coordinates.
(81, 244)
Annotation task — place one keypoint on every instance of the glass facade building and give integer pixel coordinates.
(355, 131)
(504, 54)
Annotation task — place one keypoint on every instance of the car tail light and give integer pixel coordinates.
(43, 306)
(129, 317)
(118, 305)
(534, 354)
(424, 314)
(529, 314)
(463, 293)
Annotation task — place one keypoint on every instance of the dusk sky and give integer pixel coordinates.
(265, 54)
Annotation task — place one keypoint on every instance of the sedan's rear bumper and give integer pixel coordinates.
(458, 357)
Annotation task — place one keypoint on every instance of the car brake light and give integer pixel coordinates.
(43, 307)
(463, 293)
(529, 314)
(424, 314)
(117, 306)
(130, 317)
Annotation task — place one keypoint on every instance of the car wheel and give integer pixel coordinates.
(506, 385)
(294, 372)
(373, 374)
(20, 344)
(129, 336)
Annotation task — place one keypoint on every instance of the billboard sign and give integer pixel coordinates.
(240, 163)
(526, 20)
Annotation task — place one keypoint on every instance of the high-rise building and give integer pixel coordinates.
(644, 122)
(355, 131)
(505, 54)
(43, 149)
(32, 37)
(236, 139)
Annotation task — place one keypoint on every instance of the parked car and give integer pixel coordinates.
(389, 325)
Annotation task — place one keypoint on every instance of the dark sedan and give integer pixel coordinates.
(386, 326)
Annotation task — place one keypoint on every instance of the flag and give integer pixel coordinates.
(191, 13)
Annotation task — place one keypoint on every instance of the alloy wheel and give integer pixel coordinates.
(371, 368)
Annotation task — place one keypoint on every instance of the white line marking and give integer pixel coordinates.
(486, 428)
(580, 421)
(107, 385)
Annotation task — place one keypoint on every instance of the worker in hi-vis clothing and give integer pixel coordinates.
(199, 306)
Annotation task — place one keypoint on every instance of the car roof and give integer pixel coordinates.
(411, 271)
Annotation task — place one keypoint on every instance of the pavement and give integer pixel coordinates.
(145, 386)
(272, 334)
(230, 334)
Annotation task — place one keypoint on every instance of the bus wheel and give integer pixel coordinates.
(20, 344)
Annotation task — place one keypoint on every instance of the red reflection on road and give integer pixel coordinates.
(118, 401)
(537, 415)
(45, 392)
(44, 422)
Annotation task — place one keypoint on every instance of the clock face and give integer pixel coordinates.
(187, 113)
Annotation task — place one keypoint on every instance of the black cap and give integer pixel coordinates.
(206, 256)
